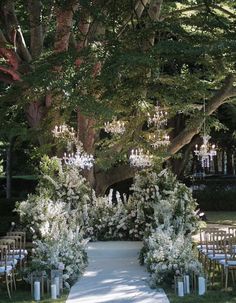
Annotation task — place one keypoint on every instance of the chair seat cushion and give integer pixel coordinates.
(18, 257)
(10, 261)
(4, 270)
(217, 256)
(228, 262)
(204, 246)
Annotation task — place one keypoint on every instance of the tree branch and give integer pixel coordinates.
(184, 10)
(138, 9)
(227, 12)
(198, 8)
(15, 76)
(14, 32)
(216, 101)
(114, 175)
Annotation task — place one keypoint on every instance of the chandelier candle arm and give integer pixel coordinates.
(159, 118)
(79, 159)
(114, 127)
(139, 158)
(63, 130)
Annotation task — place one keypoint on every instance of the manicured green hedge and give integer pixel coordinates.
(214, 198)
(21, 186)
(7, 215)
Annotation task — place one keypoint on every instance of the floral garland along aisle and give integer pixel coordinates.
(65, 214)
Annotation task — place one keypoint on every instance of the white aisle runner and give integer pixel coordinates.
(114, 276)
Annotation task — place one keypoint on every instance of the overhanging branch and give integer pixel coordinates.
(222, 96)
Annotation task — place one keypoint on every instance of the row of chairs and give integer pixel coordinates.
(12, 256)
(217, 249)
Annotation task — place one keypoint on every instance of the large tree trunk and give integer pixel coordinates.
(87, 135)
(64, 17)
(229, 155)
(9, 168)
(36, 28)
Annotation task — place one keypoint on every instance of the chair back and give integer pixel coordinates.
(22, 234)
(215, 241)
(229, 248)
(204, 235)
(18, 241)
(232, 230)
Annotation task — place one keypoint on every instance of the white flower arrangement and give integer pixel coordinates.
(64, 213)
(170, 209)
(55, 215)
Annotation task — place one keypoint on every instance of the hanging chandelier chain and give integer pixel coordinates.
(206, 151)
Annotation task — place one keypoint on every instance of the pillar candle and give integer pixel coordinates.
(186, 284)
(57, 282)
(53, 291)
(37, 291)
(201, 286)
(180, 289)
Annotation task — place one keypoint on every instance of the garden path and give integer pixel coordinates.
(115, 276)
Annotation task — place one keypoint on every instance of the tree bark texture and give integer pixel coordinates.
(104, 179)
(36, 27)
(9, 168)
(15, 36)
(64, 19)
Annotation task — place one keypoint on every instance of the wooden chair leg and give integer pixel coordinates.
(213, 272)
(7, 285)
(14, 278)
(232, 275)
(222, 277)
(226, 277)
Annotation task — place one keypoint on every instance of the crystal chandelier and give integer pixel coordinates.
(79, 159)
(114, 127)
(206, 151)
(159, 118)
(160, 139)
(139, 158)
(63, 130)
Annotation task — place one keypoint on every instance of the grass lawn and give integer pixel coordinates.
(23, 295)
(221, 217)
(212, 296)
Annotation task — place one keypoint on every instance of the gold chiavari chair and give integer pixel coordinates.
(23, 251)
(204, 245)
(214, 250)
(232, 230)
(11, 260)
(6, 270)
(17, 252)
(228, 264)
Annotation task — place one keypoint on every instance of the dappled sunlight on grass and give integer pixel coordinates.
(23, 295)
(212, 296)
(221, 217)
